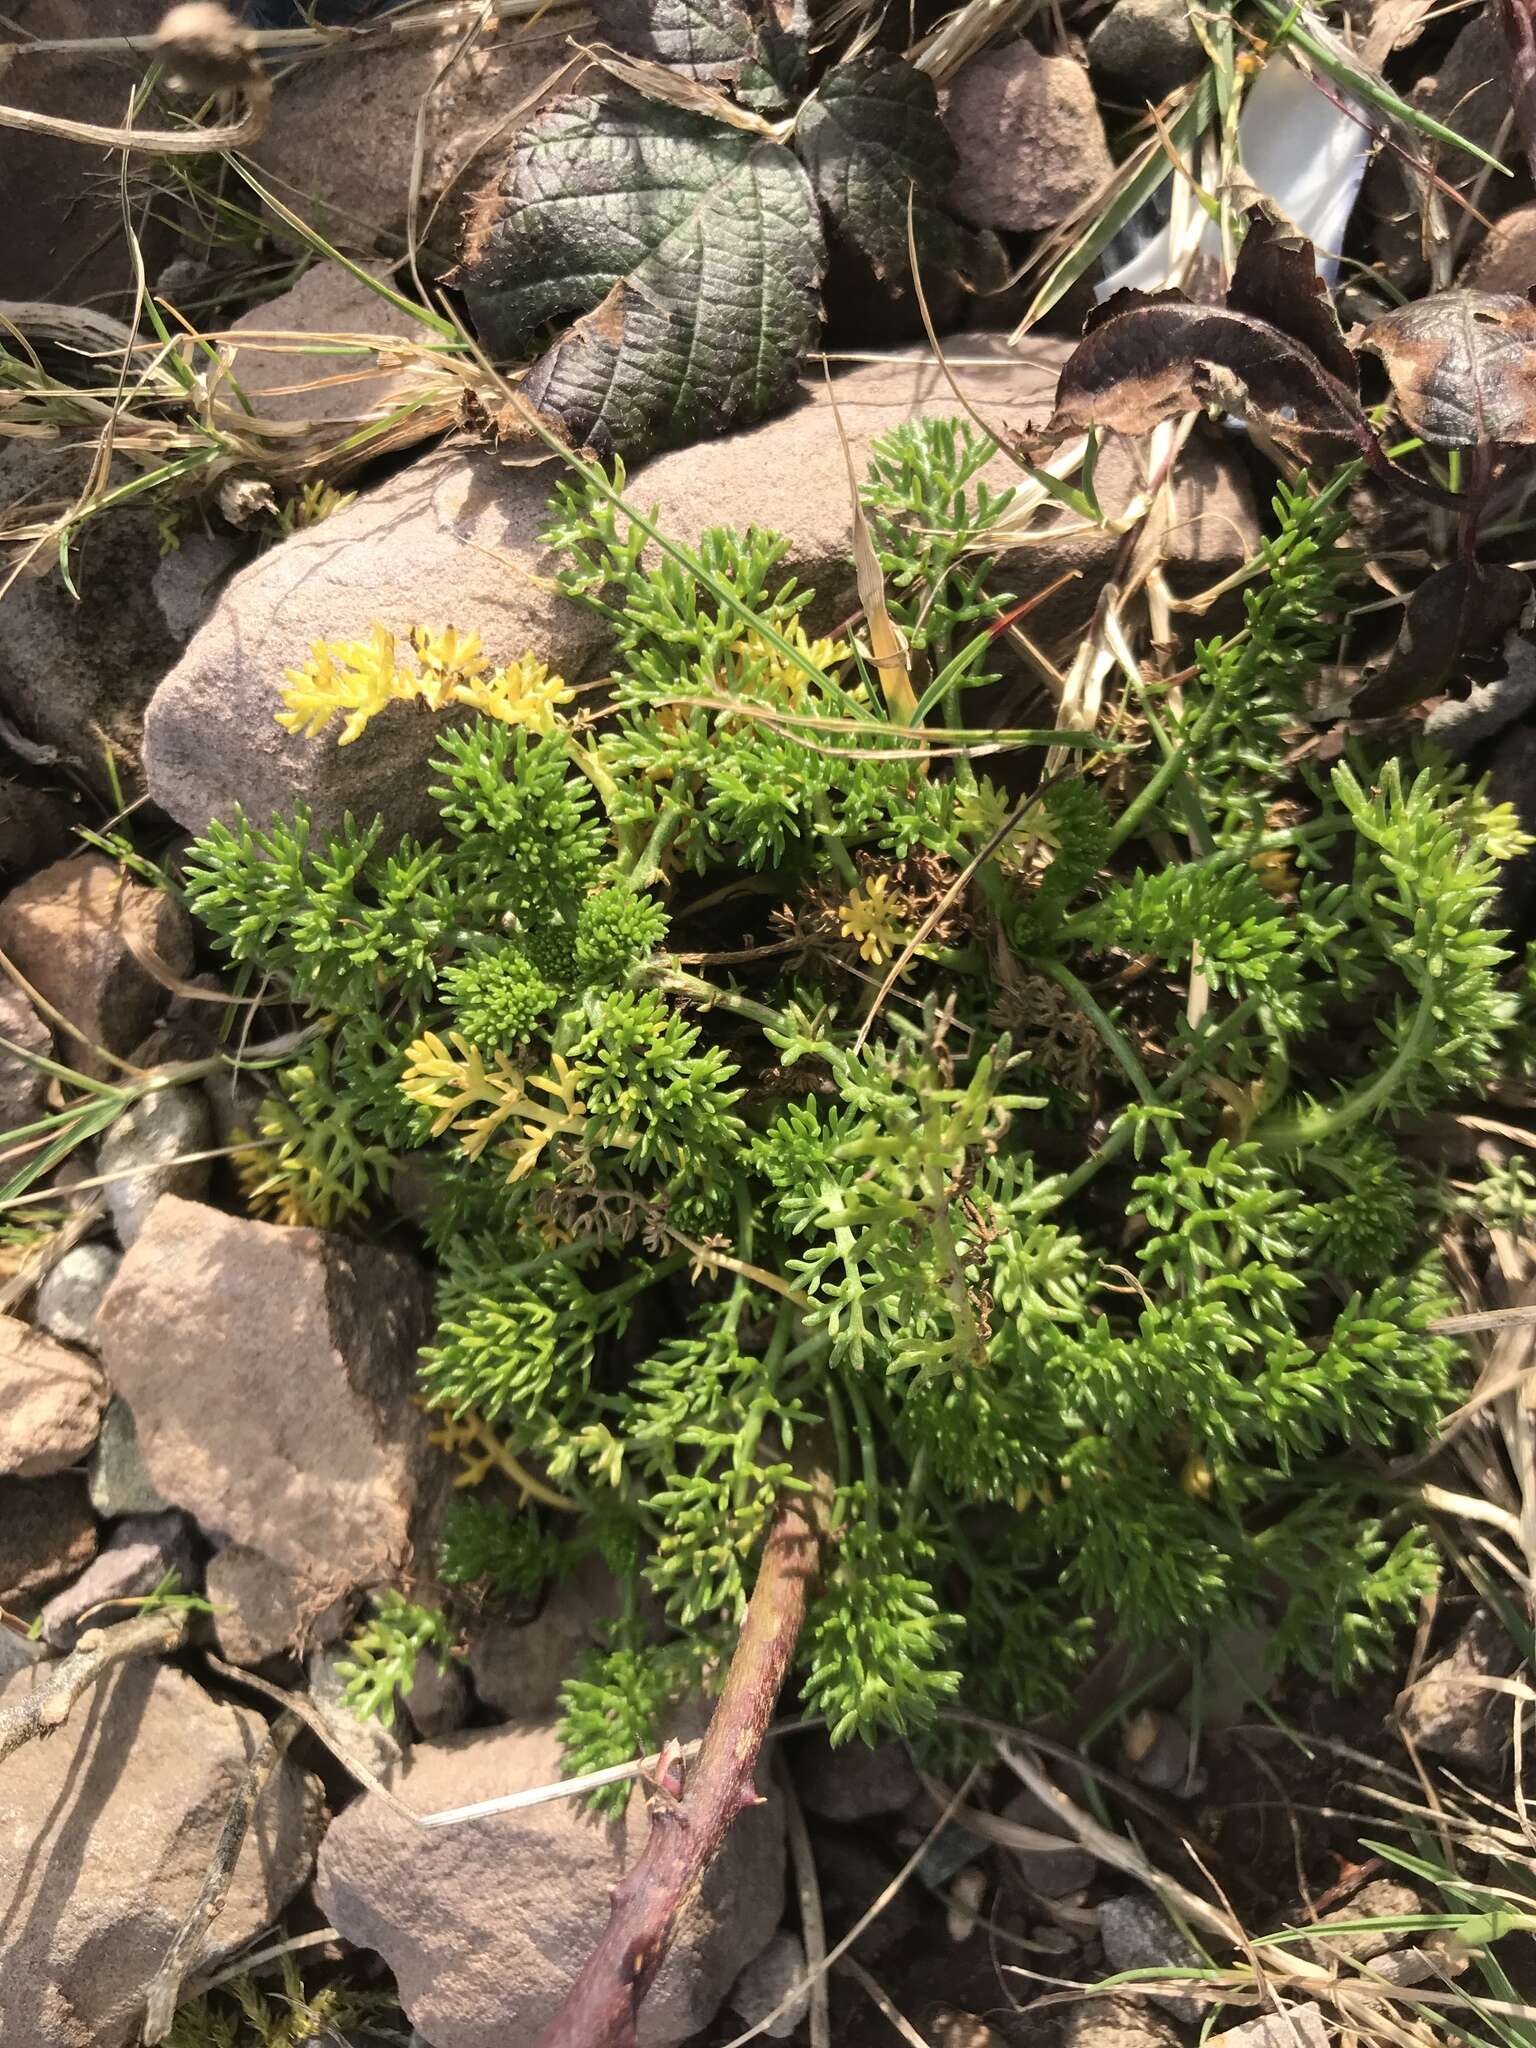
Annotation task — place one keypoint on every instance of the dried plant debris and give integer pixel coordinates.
(1274, 350)
(664, 246)
(1462, 366)
(1458, 615)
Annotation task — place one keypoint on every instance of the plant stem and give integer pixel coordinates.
(1114, 1038)
(601, 2007)
(708, 997)
(157, 1634)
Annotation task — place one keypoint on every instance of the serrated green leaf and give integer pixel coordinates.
(871, 136)
(707, 39)
(688, 255)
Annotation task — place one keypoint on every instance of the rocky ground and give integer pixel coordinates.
(186, 1391)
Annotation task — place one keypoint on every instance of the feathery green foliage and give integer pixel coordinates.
(383, 1654)
(1083, 1261)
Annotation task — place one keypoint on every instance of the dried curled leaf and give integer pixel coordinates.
(687, 254)
(1457, 617)
(870, 136)
(1274, 351)
(1462, 366)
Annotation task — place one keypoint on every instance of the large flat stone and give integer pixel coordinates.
(452, 540)
(106, 1832)
(486, 1924)
(271, 1373)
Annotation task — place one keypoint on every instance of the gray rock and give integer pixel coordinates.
(1138, 1935)
(106, 1831)
(148, 1147)
(71, 1292)
(789, 475)
(68, 928)
(1118, 2021)
(51, 1399)
(1506, 262)
(328, 299)
(356, 188)
(1154, 1747)
(271, 1373)
(1030, 139)
(1299, 2026)
(36, 825)
(484, 1925)
(429, 546)
(46, 1536)
(262, 1610)
(76, 672)
(187, 581)
(519, 1667)
(1383, 1899)
(853, 1782)
(23, 1087)
(768, 1982)
(1145, 48)
(452, 539)
(1052, 1873)
(18, 1653)
(1458, 724)
(116, 1475)
(437, 1699)
(135, 1559)
(1450, 1712)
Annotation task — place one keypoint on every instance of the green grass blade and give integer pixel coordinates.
(1192, 119)
(1294, 26)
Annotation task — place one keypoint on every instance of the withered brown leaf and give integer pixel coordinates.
(1274, 351)
(1462, 366)
(1459, 614)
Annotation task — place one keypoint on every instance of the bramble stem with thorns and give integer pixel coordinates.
(600, 2009)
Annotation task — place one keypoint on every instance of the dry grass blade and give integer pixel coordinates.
(969, 29)
(1082, 697)
(165, 1987)
(852, 1967)
(886, 644)
(672, 89)
(1120, 1854)
(872, 1912)
(315, 1722)
(813, 1926)
(312, 36)
(188, 141)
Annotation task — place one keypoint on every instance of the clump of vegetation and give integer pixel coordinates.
(285, 2015)
(798, 1099)
(384, 1653)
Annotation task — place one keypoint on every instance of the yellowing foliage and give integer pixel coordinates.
(435, 666)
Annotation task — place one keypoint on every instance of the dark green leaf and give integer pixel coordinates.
(707, 39)
(688, 253)
(870, 136)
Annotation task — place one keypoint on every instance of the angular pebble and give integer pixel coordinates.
(72, 1290)
(51, 1402)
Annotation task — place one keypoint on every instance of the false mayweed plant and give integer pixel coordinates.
(796, 1097)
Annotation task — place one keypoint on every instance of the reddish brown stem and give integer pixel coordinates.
(601, 2007)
